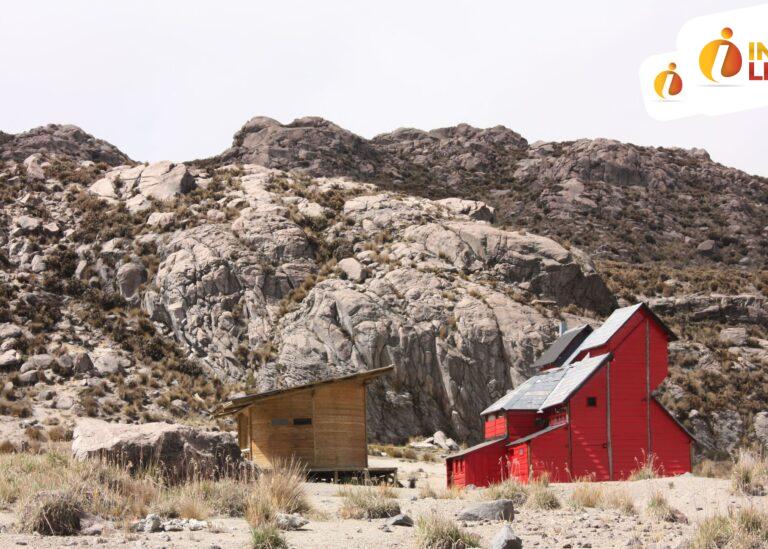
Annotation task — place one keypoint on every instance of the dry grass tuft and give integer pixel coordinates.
(368, 502)
(541, 496)
(749, 475)
(738, 529)
(267, 536)
(279, 490)
(713, 469)
(51, 514)
(659, 508)
(438, 532)
(586, 494)
(647, 468)
(619, 499)
(506, 489)
(452, 492)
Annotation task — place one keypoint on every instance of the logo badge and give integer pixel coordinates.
(668, 83)
(720, 58)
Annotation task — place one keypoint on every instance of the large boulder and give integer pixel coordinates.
(500, 509)
(129, 277)
(178, 451)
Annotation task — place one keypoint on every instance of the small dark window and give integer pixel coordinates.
(592, 402)
(279, 421)
(302, 421)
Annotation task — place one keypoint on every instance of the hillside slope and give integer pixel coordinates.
(140, 291)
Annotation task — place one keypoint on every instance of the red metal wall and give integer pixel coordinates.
(518, 462)
(549, 454)
(484, 466)
(670, 444)
(589, 429)
(495, 427)
(521, 424)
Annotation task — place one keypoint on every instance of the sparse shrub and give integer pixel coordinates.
(738, 529)
(368, 502)
(438, 532)
(20, 408)
(183, 501)
(267, 536)
(51, 514)
(713, 469)
(541, 496)
(750, 473)
(279, 490)
(507, 489)
(647, 468)
(586, 494)
(452, 492)
(7, 447)
(619, 499)
(659, 508)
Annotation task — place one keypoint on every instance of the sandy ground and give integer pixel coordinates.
(696, 497)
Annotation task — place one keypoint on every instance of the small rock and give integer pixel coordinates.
(152, 523)
(353, 269)
(400, 520)
(506, 539)
(500, 509)
(708, 247)
(287, 521)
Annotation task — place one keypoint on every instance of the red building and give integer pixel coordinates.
(590, 411)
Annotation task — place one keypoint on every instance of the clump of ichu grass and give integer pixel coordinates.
(749, 475)
(509, 488)
(659, 508)
(737, 529)
(438, 532)
(541, 496)
(279, 490)
(647, 468)
(586, 494)
(368, 502)
(619, 499)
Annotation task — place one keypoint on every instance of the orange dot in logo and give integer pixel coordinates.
(726, 33)
(672, 66)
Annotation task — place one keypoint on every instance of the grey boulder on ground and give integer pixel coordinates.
(500, 509)
(506, 539)
(177, 450)
(286, 521)
(400, 520)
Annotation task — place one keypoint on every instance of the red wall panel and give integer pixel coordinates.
(549, 454)
(495, 427)
(521, 424)
(670, 444)
(589, 428)
(484, 466)
(518, 462)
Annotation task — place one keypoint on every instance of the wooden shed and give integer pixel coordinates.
(322, 424)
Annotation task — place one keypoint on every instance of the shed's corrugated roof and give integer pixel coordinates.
(536, 434)
(561, 349)
(236, 404)
(548, 388)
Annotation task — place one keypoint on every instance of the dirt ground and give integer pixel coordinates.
(695, 497)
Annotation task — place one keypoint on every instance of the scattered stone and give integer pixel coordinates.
(400, 520)
(129, 277)
(500, 509)
(734, 337)
(352, 268)
(708, 247)
(506, 539)
(287, 521)
(9, 359)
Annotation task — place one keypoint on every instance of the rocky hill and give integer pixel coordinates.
(139, 292)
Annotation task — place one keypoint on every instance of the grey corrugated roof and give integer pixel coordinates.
(483, 444)
(548, 388)
(536, 434)
(561, 349)
(607, 329)
(613, 324)
(575, 376)
(530, 394)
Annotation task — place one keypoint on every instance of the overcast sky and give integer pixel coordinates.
(175, 79)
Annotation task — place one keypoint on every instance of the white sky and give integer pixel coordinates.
(175, 79)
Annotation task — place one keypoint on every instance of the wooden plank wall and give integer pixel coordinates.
(270, 442)
(335, 439)
(340, 438)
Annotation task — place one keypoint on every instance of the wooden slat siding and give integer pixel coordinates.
(496, 427)
(671, 444)
(270, 442)
(339, 424)
(589, 429)
(548, 453)
(481, 467)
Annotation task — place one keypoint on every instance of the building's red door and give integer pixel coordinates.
(518, 462)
